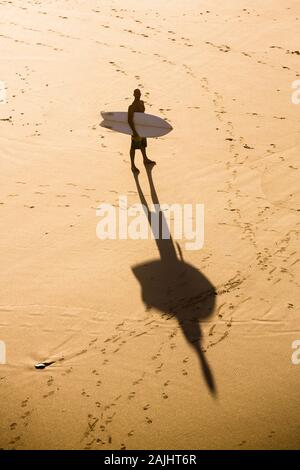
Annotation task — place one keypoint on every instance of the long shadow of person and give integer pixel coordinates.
(175, 287)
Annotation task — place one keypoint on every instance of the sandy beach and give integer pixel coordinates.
(126, 371)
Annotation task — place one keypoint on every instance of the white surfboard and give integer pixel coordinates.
(147, 125)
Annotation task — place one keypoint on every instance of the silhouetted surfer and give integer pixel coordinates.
(137, 142)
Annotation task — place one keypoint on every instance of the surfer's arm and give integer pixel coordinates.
(130, 121)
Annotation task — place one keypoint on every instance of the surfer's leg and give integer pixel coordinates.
(133, 167)
(147, 160)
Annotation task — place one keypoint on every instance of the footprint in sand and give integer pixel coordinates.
(24, 402)
(131, 395)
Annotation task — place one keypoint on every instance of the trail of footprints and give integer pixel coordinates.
(238, 151)
(43, 190)
(18, 427)
(98, 433)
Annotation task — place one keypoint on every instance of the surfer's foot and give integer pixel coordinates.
(134, 169)
(147, 161)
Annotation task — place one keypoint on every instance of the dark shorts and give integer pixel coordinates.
(138, 144)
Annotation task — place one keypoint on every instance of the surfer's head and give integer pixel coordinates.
(137, 94)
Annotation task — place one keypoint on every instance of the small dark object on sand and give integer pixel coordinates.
(43, 365)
